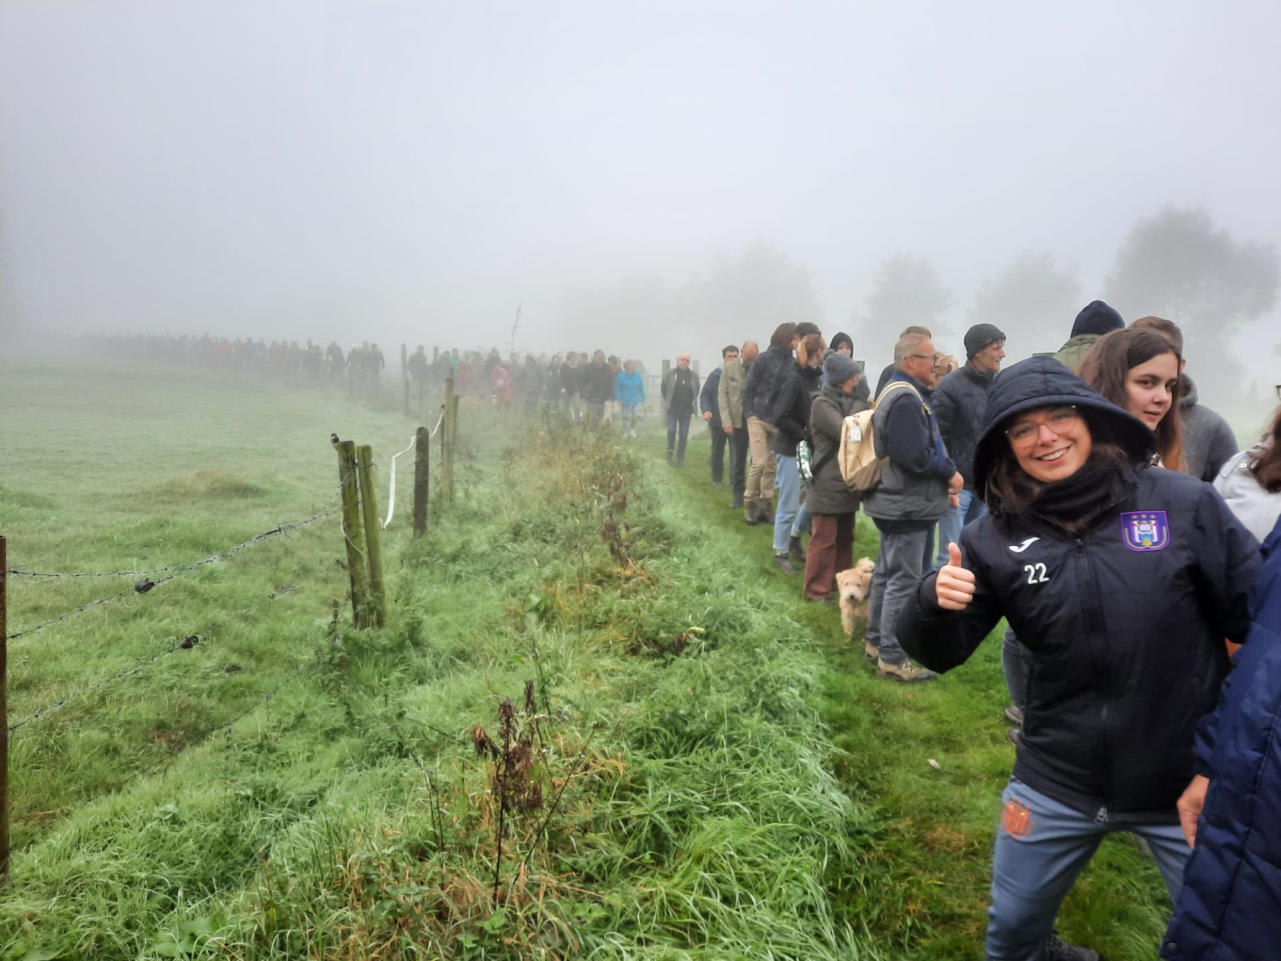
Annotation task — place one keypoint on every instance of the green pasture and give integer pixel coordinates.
(597, 724)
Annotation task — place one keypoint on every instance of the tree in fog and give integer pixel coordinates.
(907, 290)
(1030, 299)
(1177, 265)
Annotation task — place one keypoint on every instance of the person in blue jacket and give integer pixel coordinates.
(1122, 580)
(1228, 909)
(629, 391)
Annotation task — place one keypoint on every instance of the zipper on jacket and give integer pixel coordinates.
(1094, 629)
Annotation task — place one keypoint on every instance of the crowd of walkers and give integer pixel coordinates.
(1092, 501)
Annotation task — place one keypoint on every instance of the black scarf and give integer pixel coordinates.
(1075, 501)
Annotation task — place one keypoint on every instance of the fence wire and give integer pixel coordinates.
(145, 585)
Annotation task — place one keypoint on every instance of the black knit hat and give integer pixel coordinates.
(980, 336)
(1096, 317)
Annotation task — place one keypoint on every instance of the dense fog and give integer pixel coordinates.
(645, 177)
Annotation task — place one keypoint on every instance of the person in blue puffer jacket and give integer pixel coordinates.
(1122, 580)
(1228, 908)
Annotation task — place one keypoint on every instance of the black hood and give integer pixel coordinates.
(1044, 382)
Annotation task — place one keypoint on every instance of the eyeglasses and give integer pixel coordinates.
(1025, 432)
(932, 358)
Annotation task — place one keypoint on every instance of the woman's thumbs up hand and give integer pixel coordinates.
(954, 586)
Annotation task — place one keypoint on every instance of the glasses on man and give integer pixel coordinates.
(932, 358)
(1025, 432)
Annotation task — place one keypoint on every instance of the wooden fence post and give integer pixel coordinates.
(404, 375)
(4, 714)
(373, 536)
(447, 439)
(352, 532)
(422, 478)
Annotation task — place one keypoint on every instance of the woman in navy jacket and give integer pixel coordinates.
(1122, 582)
(1227, 910)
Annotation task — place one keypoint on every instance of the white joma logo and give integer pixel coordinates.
(1020, 548)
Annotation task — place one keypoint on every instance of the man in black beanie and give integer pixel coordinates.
(1095, 319)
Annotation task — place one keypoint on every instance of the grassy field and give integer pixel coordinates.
(597, 724)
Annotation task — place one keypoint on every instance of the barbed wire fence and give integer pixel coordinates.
(356, 492)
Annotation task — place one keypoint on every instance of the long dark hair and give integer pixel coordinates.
(1109, 362)
(1012, 490)
(1266, 465)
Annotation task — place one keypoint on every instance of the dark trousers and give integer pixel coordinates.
(677, 422)
(717, 457)
(738, 463)
(831, 549)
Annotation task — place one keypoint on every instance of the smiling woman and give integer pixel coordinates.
(1123, 580)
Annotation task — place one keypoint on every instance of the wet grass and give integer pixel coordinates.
(717, 773)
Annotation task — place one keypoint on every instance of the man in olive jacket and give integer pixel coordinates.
(733, 420)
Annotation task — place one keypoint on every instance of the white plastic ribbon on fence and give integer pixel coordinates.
(391, 491)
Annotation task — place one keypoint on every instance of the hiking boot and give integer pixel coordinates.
(907, 672)
(765, 510)
(669, 456)
(751, 513)
(736, 504)
(794, 549)
(871, 652)
(1013, 715)
(784, 563)
(1057, 949)
(1012, 735)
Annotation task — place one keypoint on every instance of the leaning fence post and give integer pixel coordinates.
(351, 529)
(4, 715)
(422, 475)
(373, 538)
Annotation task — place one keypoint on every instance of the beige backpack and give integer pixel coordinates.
(860, 468)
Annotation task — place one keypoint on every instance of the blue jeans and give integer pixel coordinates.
(954, 518)
(676, 422)
(894, 578)
(1041, 848)
(790, 518)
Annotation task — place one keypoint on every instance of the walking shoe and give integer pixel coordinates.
(669, 456)
(735, 504)
(871, 652)
(1013, 715)
(1057, 949)
(784, 563)
(1012, 735)
(907, 672)
(794, 549)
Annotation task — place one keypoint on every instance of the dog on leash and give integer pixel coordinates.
(852, 585)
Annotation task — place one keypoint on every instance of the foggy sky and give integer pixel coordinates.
(411, 171)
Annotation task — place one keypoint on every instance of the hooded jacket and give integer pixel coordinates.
(829, 493)
(1208, 441)
(1123, 621)
(1231, 882)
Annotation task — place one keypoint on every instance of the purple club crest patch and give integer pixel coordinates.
(1145, 530)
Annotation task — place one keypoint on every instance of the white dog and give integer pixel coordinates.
(852, 586)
